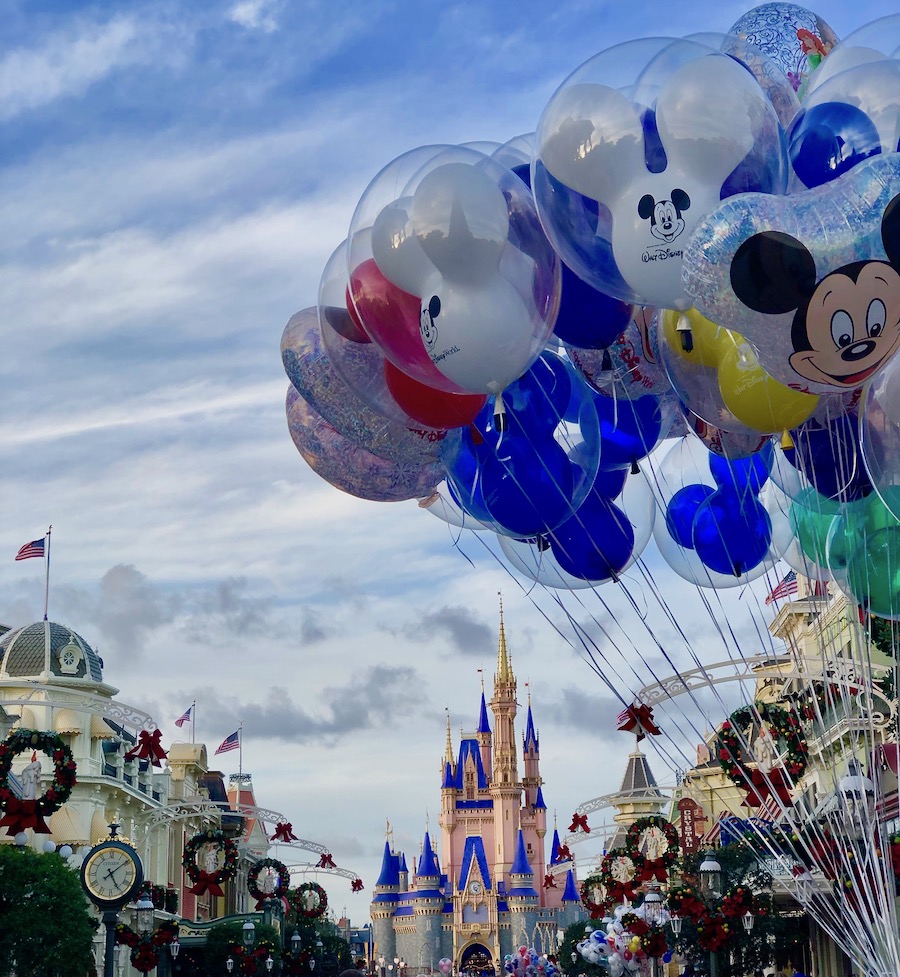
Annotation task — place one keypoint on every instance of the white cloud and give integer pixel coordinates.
(254, 15)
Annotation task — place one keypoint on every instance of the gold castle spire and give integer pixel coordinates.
(504, 670)
(448, 752)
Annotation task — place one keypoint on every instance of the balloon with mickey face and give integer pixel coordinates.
(464, 240)
(625, 167)
(811, 280)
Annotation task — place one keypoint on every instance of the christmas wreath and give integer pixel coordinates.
(281, 887)
(209, 881)
(590, 885)
(653, 868)
(20, 814)
(309, 900)
(758, 785)
(619, 874)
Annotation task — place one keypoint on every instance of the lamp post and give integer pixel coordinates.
(710, 885)
(652, 915)
(296, 942)
(229, 965)
(381, 965)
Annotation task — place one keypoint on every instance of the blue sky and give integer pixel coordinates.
(173, 178)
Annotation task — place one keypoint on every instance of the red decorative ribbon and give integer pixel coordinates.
(638, 719)
(550, 882)
(654, 868)
(148, 747)
(758, 788)
(563, 854)
(21, 815)
(579, 822)
(326, 861)
(207, 882)
(284, 832)
(356, 885)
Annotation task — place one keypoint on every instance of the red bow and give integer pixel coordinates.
(207, 882)
(563, 854)
(550, 882)
(284, 831)
(148, 748)
(326, 861)
(758, 788)
(21, 815)
(654, 868)
(638, 719)
(579, 821)
(356, 885)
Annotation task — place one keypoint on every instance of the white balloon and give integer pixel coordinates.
(397, 251)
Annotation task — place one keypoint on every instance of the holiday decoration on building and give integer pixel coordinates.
(766, 779)
(29, 810)
(148, 747)
(619, 874)
(309, 900)
(654, 841)
(637, 719)
(215, 871)
(357, 885)
(145, 948)
(326, 861)
(284, 831)
(579, 823)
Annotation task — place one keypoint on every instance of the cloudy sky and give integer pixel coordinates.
(173, 178)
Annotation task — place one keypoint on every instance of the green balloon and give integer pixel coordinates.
(811, 528)
(873, 572)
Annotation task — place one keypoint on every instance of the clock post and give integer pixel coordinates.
(111, 876)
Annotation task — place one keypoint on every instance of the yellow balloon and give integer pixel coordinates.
(709, 341)
(635, 943)
(757, 399)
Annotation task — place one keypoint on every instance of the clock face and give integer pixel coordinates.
(112, 873)
(475, 887)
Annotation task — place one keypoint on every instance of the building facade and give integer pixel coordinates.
(498, 882)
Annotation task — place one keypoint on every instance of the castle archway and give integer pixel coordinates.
(476, 961)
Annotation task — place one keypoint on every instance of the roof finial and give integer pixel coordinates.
(448, 752)
(504, 672)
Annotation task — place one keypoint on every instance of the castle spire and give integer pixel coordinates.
(448, 752)
(504, 669)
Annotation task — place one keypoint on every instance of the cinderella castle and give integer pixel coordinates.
(491, 890)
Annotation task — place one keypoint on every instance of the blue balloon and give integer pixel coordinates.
(609, 484)
(743, 474)
(629, 429)
(828, 139)
(528, 486)
(463, 469)
(596, 542)
(831, 458)
(682, 509)
(731, 535)
(587, 318)
(540, 398)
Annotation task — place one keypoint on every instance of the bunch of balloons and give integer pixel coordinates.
(699, 242)
(527, 962)
(617, 948)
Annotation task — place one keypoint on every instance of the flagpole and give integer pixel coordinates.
(47, 573)
(240, 758)
(193, 722)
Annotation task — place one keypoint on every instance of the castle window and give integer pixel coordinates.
(470, 794)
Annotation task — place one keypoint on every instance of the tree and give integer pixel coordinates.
(46, 925)
(222, 940)
(575, 933)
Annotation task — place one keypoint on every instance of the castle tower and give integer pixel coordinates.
(506, 788)
(521, 896)
(384, 904)
(428, 909)
(483, 733)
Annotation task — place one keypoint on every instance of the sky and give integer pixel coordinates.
(173, 179)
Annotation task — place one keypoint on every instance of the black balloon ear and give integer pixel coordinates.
(890, 231)
(681, 200)
(434, 307)
(773, 272)
(645, 206)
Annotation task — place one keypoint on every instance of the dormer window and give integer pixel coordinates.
(69, 657)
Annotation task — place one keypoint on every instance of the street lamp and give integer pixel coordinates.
(248, 934)
(710, 874)
(748, 920)
(295, 944)
(270, 963)
(229, 965)
(381, 965)
(676, 922)
(652, 914)
(143, 913)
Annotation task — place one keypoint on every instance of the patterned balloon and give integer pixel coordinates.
(349, 467)
(795, 38)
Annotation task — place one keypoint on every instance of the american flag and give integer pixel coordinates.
(185, 717)
(30, 550)
(787, 587)
(230, 743)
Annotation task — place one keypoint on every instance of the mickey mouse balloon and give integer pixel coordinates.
(639, 144)
(463, 240)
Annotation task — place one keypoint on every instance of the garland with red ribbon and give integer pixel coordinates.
(758, 786)
(148, 747)
(145, 949)
(250, 961)
(715, 926)
(653, 868)
(298, 900)
(281, 889)
(19, 814)
(618, 890)
(210, 882)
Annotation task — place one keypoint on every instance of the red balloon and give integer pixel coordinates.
(431, 407)
(390, 317)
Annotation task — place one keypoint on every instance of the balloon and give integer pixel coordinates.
(595, 543)
(465, 242)
(727, 444)
(880, 434)
(815, 292)
(442, 504)
(587, 317)
(630, 430)
(428, 405)
(795, 38)
(349, 467)
(830, 458)
(642, 177)
(445, 965)
(731, 533)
